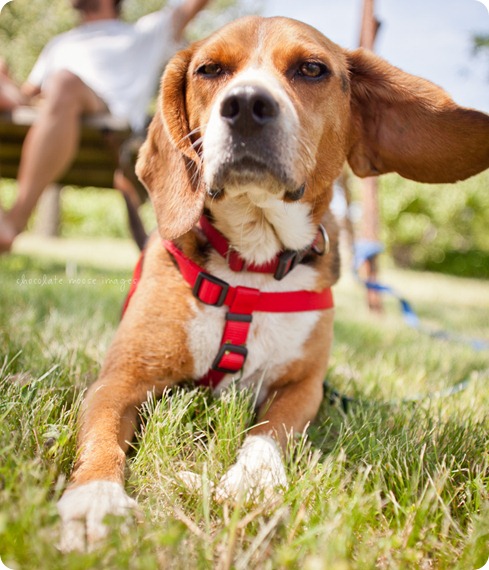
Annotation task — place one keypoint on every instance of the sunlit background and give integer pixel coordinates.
(430, 38)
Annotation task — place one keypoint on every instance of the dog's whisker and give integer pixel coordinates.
(197, 142)
(193, 132)
(197, 175)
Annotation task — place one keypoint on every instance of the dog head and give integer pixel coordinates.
(268, 108)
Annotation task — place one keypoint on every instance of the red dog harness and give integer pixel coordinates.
(242, 302)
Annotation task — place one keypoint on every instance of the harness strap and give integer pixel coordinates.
(242, 302)
(232, 353)
(214, 291)
(136, 277)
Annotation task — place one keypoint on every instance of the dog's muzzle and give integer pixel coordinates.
(251, 134)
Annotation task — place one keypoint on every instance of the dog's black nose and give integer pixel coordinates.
(247, 108)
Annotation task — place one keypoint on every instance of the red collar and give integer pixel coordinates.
(279, 266)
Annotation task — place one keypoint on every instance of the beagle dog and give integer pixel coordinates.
(254, 124)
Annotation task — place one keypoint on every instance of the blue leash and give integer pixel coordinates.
(364, 251)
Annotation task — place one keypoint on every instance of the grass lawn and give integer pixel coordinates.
(387, 485)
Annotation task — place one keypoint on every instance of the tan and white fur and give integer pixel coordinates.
(253, 126)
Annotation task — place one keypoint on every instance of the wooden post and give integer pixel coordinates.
(370, 226)
(370, 26)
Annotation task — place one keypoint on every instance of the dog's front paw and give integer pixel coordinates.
(82, 510)
(257, 475)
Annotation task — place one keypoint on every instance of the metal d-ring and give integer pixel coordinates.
(325, 248)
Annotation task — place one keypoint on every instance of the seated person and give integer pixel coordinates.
(103, 65)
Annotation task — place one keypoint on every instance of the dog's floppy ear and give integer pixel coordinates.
(408, 125)
(168, 165)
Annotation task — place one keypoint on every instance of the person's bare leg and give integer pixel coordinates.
(10, 96)
(49, 148)
(10, 93)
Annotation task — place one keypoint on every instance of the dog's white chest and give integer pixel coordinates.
(274, 339)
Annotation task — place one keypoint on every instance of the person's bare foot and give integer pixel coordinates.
(7, 233)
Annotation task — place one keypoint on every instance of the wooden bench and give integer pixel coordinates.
(107, 144)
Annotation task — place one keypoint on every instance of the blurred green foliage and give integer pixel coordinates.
(440, 227)
(27, 25)
(481, 42)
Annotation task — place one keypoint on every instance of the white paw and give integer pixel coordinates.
(83, 509)
(257, 475)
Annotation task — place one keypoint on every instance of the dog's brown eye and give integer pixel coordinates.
(312, 70)
(210, 70)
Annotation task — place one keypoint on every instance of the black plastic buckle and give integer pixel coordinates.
(202, 276)
(239, 317)
(228, 347)
(287, 260)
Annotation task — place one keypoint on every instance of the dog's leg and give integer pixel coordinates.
(293, 402)
(259, 470)
(148, 354)
(108, 421)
